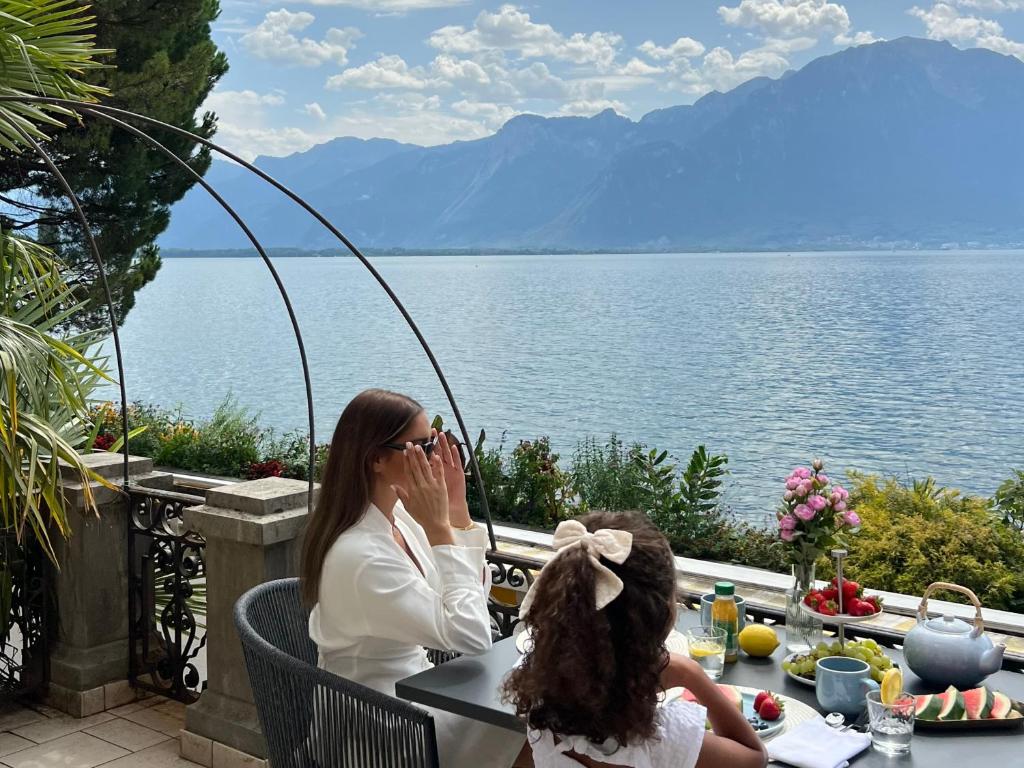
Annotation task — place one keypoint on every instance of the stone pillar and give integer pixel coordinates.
(253, 534)
(89, 660)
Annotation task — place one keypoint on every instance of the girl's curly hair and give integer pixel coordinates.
(596, 673)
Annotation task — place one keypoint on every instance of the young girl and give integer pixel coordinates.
(599, 614)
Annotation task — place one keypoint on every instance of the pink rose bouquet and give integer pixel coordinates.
(814, 515)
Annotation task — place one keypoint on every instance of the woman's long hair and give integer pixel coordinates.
(374, 417)
(596, 673)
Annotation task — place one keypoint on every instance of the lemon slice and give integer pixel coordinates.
(892, 685)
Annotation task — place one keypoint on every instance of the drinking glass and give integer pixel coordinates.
(707, 648)
(891, 725)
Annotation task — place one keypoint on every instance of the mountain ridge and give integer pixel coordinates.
(908, 143)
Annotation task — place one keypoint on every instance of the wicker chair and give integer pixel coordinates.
(310, 717)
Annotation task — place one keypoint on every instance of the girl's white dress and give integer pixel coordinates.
(377, 613)
(676, 745)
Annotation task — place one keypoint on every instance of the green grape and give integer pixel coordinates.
(821, 648)
(837, 648)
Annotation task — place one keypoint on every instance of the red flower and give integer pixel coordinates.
(103, 442)
(271, 468)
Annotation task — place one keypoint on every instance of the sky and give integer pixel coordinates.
(435, 71)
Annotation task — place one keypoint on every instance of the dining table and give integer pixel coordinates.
(470, 686)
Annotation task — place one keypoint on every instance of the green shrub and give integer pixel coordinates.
(1008, 502)
(292, 451)
(228, 444)
(605, 476)
(913, 536)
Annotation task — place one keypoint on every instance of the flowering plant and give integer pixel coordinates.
(814, 514)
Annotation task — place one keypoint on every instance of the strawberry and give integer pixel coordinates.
(771, 708)
(851, 589)
(857, 607)
(760, 698)
(813, 600)
(875, 602)
(829, 608)
(831, 593)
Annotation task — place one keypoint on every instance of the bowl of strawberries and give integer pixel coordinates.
(841, 601)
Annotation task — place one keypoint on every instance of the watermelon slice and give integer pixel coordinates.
(928, 707)
(1001, 706)
(952, 705)
(978, 703)
(732, 694)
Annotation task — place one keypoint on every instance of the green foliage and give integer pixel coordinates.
(1008, 502)
(231, 443)
(912, 536)
(605, 476)
(46, 49)
(700, 484)
(687, 508)
(45, 381)
(164, 65)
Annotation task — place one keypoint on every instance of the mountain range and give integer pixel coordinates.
(903, 143)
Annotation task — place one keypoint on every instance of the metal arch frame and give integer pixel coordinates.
(111, 114)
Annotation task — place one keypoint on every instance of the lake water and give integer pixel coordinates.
(901, 363)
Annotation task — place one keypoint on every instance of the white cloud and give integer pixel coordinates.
(858, 38)
(275, 38)
(391, 6)
(722, 71)
(493, 115)
(788, 18)
(510, 29)
(586, 108)
(637, 68)
(943, 22)
(250, 142)
(426, 125)
(243, 124)
(228, 102)
(684, 47)
(315, 110)
(388, 71)
(996, 6)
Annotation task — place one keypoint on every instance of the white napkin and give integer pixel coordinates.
(813, 744)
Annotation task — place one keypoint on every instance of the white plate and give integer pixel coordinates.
(839, 618)
(794, 713)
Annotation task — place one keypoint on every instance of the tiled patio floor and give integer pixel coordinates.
(139, 735)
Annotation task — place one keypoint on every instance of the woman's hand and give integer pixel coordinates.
(454, 480)
(425, 495)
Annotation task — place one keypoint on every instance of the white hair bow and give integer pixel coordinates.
(615, 545)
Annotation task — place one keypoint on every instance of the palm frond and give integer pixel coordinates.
(45, 49)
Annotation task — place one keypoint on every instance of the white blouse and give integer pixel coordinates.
(676, 744)
(377, 612)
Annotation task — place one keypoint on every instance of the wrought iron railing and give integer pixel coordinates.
(166, 595)
(24, 610)
(513, 573)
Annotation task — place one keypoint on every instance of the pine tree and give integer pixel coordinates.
(164, 65)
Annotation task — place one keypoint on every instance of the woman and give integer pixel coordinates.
(392, 563)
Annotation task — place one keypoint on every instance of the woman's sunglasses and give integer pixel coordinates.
(428, 444)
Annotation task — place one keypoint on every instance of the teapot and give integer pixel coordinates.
(949, 651)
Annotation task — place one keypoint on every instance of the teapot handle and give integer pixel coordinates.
(922, 609)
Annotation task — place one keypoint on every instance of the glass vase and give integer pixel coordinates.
(803, 631)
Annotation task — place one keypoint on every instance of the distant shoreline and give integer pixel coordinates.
(277, 253)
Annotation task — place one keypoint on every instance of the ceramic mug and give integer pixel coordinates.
(705, 611)
(842, 683)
